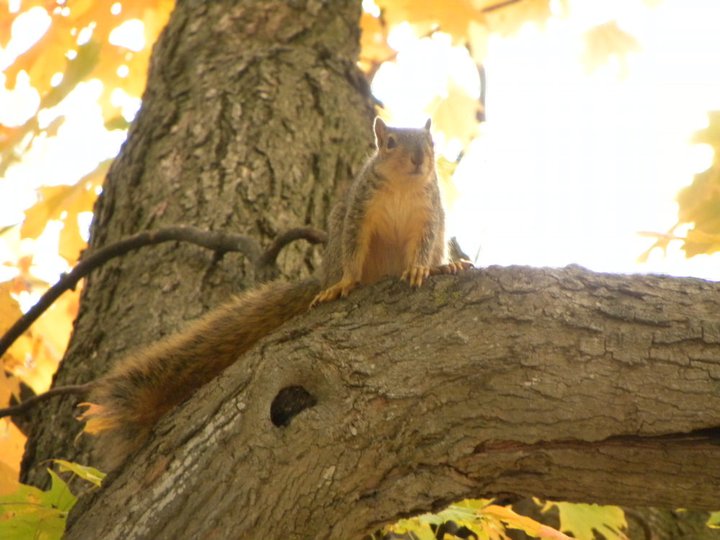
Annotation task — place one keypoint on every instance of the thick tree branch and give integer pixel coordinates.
(505, 381)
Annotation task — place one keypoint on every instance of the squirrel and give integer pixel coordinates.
(390, 223)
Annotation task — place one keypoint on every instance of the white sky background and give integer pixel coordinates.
(571, 165)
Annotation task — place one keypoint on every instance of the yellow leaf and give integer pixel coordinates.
(8, 476)
(64, 203)
(48, 207)
(523, 523)
(478, 41)
(54, 326)
(607, 41)
(89, 474)
(12, 447)
(698, 242)
(581, 520)
(456, 114)
(9, 308)
(450, 17)
(508, 18)
(373, 41)
(9, 387)
(71, 240)
(45, 57)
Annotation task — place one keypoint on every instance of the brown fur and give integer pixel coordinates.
(390, 223)
(393, 221)
(148, 383)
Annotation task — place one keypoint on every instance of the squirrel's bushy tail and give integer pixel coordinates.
(126, 403)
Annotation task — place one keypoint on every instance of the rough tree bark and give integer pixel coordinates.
(552, 383)
(253, 114)
(556, 383)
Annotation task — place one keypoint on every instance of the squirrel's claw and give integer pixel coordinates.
(415, 275)
(341, 288)
(454, 267)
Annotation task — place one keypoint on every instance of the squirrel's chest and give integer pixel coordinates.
(395, 220)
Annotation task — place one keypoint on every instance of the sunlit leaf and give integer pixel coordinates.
(9, 308)
(450, 17)
(64, 203)
(89, 474)
(485, 520)
(12, 448)
(456, 113)
(698, 242)
(608, 41)
(509, 17)
(711, 134)
(117, 122)
(8, 478)
(478, 35)
(373, 42)
(714, 520)
(76, 70)
(699, 203)
(30, 512)
(59, 495)
(581, 520)
(9, 387)
(528, 525)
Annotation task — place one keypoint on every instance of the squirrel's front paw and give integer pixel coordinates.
(341, 288)
(415, 275)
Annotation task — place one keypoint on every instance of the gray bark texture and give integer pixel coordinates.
(554, 383)
(254, 113)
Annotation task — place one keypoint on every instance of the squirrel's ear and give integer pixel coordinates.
(380, 131)
(428, 124)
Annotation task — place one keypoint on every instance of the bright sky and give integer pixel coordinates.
(569, 167)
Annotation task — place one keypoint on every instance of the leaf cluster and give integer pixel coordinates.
(480, 519)
(29, 512)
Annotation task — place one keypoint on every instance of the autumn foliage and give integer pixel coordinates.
(110, 44)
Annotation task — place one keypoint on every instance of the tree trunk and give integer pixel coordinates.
(561, 384)
(254, 113)
(555, 383)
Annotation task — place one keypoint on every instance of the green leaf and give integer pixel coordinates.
(32, 513)
(76, 70)
(714, 520)
(117, 122)
(59, 495)
(581, 519)
(89, 474)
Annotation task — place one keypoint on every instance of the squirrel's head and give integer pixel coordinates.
(404, 152)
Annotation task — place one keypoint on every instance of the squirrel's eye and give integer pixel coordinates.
(391, 143)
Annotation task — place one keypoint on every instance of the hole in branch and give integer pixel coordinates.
(289, 402)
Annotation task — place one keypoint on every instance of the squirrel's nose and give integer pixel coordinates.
(417, 157)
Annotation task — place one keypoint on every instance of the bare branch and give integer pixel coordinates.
(314, 236)
(22, 408)
(218, 241)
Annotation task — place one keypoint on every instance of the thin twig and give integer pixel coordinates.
(221, 242)
(217, 241)
(314, 236)
(21, 408)
(499, 5)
